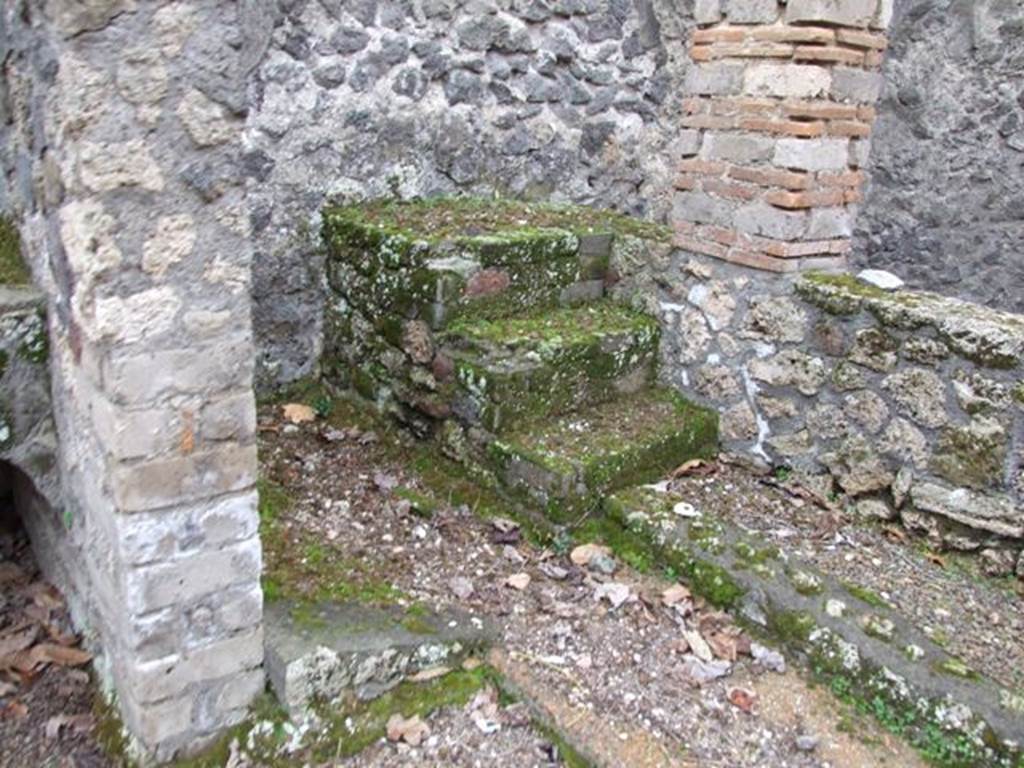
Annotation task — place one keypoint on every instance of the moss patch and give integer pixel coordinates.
(12, 267)
(444, 218)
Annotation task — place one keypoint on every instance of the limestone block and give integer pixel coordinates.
(867, 409)
(107, 166)
(142, 316)
(702, 208)
(707, 11)
(801, 81)
(229, 418)
(874, 348)
(774, 318)
(973, 455)
(168, 481)
(850, 13)
(760, 218)
(736, 148)
(751, 11)
(187, 579)
(171, 242)
(88, 233)
(172, 677)
(155, 724)
(812, 154)
(206, 121)
(830, 223)
(72, 17)
(717, 79)
(739, 421)
(173, 24)
(128, 434)
(142, 76)
(856, 85)
(903, 441)
(993, 513)
(858, 468)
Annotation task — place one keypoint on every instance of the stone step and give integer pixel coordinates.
(862, 648)
(549, 362)
(565, 464)
(390, 274)
(323, 651)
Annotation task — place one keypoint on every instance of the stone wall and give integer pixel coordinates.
(906, 404)
(572, 100)
(945, 204)
(146, 277)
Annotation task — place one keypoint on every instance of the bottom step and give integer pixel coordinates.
(565, 464)
(322, 651)
(865, 651)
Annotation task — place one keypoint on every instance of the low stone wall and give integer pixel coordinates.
(911, 404)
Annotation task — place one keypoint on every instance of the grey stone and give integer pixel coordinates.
(855, 85)
(879, 278)
(905, 442)
(867, 409)
(875, 509)
(973, 455)
(760, 218)
(857, 467)
(811, 154)
(751, 11)
(998, 562)
(993, 513)
(707, 11)
(920, 394)
(326, 650)
(775, 318)
(875, 348)
(716, 79)
(851, 13)
(737, 148)
(790, 368)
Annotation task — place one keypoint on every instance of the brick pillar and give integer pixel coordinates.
(123, 167)
(779, 108)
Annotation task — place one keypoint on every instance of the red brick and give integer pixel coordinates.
(706, 167)
(744, 106)
(873, 59)
(718, 234)
(852, 196)
(702, 53)
(860, 39)
(828, 53)
(771, 177)
(818, 198)
(686, 181)
(845, 179)
(753, 51)
(819, 110)
(730, 191)
(757, 260)
(719, 35)
(853, 128)
(867, 114)
(783, 127)
(713, 122)
(786, 34)
(699, 246)
(695, 105)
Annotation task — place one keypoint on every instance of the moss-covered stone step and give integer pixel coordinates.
(866, 651)
(318, 652)
(566, 463)
(392, 264)
(549, 362)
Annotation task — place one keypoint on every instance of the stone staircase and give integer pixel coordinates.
(497, 338)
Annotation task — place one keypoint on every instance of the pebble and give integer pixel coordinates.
(807, 743)
(879, 278)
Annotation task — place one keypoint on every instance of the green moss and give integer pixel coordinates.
(421, 505)
(956, 668)
(443, 218)
(12, 267)
(791, 627)
(866, 595)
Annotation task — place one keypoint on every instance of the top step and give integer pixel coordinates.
(440, 259)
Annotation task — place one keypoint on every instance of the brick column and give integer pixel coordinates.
(122, 167)
(779, 108)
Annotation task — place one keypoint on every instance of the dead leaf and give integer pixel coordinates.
(698, 645)
(431, 673)
(694, 467)
(519, 581)
(13, 641)
(583, 554)
(675, 594)
(723, 645)
(743, 699)
(936, 559)
(51, 653)
(410, 730)
(75, 723)
(298, 413)
(894, 533)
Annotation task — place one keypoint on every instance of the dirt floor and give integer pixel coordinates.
(620, 658)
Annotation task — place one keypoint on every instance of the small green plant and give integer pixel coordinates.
(783, 473)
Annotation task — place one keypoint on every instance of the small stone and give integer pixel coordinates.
(914, 652)
(881, 279)
(878, 626)
(807, 743)
(901, 486)
(461, 587)
(1020, 565)
(998, 562)
(875, 509)
(616, 594)
(835, 608)
(768, 658)
(518, 581)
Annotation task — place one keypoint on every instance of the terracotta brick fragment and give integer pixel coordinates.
(753, 50)
(687, 182)
(702, 53)
(714, 122)
(819, 110)
(867, 114)
(695, 105)
(758, 260)
(718, 234)
(873, 59)
(853, 128)
(844, 179)
(719, 35)
(783, 127)
(707, 167)
(861, 39)
(744, 106)
(699, 246)
(771, 177)
(852, 196)
(828, 53)
(788, 34)
(817, 198)
(729, 190)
